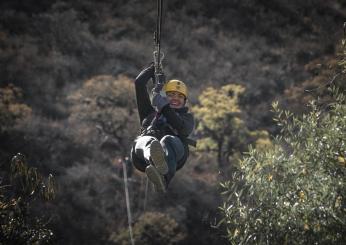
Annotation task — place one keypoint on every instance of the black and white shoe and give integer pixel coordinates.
(156, 178)
(158, 157)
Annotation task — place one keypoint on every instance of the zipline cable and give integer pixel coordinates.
(159, 76)
(157, 39)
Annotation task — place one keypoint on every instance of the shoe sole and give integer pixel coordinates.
(155, 178)
(158, 157)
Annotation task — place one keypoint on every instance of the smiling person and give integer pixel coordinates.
(162, 146)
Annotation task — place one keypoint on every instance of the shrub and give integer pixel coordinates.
(152, 228)
(22, 186)
(293, 192)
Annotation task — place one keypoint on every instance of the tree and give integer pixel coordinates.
(105, 110)
(294, 192)
(20, 187)
(220, 124)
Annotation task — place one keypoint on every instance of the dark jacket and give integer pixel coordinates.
(176, 122)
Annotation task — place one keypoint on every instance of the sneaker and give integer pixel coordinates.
(156, 178)
(158, 157)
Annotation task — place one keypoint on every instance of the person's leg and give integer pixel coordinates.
(156, 178)
(174, 151)
(148, 148)
(142, 147)
(157, 156)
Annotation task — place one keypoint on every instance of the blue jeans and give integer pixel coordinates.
(172, 146)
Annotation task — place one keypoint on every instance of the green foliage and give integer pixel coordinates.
(152, 228)
(24, 186)
(295, 191)
(225, 102)
(220, 122)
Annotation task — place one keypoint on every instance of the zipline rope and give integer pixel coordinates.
(146, 194)
(128, 207)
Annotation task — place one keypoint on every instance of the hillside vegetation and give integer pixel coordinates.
(67, 103)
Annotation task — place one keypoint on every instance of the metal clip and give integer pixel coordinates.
(158, 61)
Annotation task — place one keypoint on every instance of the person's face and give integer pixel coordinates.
(176, 100)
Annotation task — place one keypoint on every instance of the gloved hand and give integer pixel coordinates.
(159, 100)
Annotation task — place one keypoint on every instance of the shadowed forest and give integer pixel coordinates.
(269, 167)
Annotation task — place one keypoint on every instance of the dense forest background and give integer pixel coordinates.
(67, 101)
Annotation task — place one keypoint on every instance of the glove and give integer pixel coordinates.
(158, 101)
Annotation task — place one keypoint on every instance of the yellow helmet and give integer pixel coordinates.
(176, 86)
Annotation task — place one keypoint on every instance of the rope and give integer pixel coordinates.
(157, 38)
(128, 207)
(146, 194)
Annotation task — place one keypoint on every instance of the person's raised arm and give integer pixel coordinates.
(142, 96)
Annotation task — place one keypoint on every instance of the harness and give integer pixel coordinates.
(158, 131)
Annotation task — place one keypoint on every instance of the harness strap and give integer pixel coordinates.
(191, 142)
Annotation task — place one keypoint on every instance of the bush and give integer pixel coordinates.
(294, 192)
(152, 228)
(22, 186)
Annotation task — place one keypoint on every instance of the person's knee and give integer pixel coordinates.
(173, 145)
(144, 141)
(170, 139)
(139, 152)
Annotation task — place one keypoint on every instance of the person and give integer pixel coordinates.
(162, 146)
